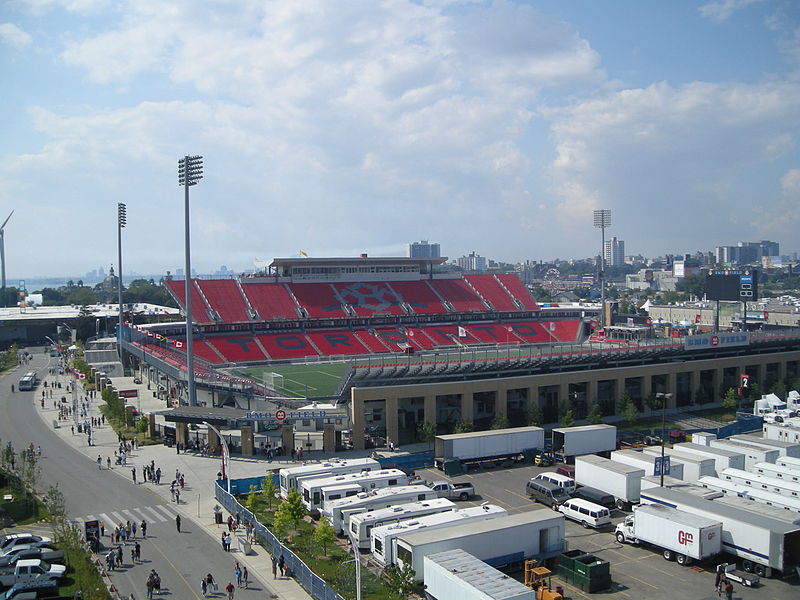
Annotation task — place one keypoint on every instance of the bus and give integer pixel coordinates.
(28, 381)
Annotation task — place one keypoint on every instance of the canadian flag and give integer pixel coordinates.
(179, 344)
(462, 332)
(509, 329)
(410, 333)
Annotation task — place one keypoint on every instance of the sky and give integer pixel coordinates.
(350, 126)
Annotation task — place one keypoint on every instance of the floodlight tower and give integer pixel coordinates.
(602, 219)
(190, 172)
(3, 255)
(121, 222)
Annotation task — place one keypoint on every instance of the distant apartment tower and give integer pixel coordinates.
(746, 253)
(424, 249)
(472, 262)
(614, 252)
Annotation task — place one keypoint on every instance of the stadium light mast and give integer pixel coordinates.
(602, 219)
(3, 255)
(190, 172)
(121, 222)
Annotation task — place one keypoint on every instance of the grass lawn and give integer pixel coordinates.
(333, 566)
(302, 380)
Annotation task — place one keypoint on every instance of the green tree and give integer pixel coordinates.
(82, 296)
(252, 501)
(594, 416)
(500, 421)
(534, 414)
(653, 402)
(426, 432)
(401, 580)
(568, 420)
(281, 522)
(269, 489)
(564, 406)
(324, 535)
(464, 427)
(294, 508)
(629, 413)
(729, 400)
(143, 424)
(779, 389)
(622, 401)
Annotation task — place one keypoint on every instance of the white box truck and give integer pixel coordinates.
(648, 462)
(457, 574)
(723, 459)
(762, 544)
(383, 538)
(620, 480)
(584, 439)
(481, 445)
(752, 454)
(703, 438)
(499, 542)
(783, 448)
(679, 535)
(694, 467)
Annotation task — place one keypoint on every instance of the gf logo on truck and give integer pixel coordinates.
(685, 539)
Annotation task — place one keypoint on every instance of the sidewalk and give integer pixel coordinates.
(197, 499)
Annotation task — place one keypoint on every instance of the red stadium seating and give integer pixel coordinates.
(270, 300)
(489, 333)
(199, 307)
(318, 299)
(490, 289)
(336, 342)
(531, 332)
(445, 335)
(565, 331)
(419, 296)
(237, 348)
(202, 350)
(370, 298)
(374, 342)
(224, 297)
(282, 346)
(515, 286)
(458, 294)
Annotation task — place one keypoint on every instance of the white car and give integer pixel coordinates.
(9, 542)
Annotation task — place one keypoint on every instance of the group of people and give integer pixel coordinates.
(226, 541)
(153, 584)
(279, 564)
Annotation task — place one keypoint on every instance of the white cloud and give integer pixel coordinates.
(13, 36)
(722, 10)
(671, 157)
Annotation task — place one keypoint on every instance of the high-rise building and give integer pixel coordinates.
(614, 252)
(424, 249)
(472, 262)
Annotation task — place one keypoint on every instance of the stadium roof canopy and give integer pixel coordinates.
(349, 261)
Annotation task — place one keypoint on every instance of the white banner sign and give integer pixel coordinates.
(717, 340)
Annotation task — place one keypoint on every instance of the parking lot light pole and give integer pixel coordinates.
(664, 398)
(121, 222)
(190, 172)
(602, 220)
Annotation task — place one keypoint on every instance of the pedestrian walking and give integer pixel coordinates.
(238, 574)
(245, 577)
(133, 528)
(211, 583)
(230, 523)
(144, 528)
(178, 522)
(133, 555)
(203, 586)
(133, 474)
(728, 588)
(138, 548)
(224, 544)
(230, 589)
(99, 462)
(274, 567)
(108, 462)
(177, 496)
(282, 564)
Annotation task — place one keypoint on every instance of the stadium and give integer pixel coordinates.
(392, 343)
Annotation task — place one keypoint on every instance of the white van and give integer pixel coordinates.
(586, 513)
(562, 481)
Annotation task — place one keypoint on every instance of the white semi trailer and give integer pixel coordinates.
(694, 467)
(482, 445)
(723, 459)
(648, 462)
(752, 454)
(620, 480)
(457, 574)
(682, 536)
(762, 482)
(783, 448)
(584, 439)
(762, 544)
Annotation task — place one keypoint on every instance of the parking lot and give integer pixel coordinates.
(636, 572)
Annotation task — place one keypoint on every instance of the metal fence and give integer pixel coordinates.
(312, 583)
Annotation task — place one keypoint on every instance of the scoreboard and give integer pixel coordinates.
(737, 285)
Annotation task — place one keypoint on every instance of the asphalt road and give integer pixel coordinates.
(180, 559)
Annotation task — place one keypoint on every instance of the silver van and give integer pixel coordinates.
(568, 483)
(546, 493)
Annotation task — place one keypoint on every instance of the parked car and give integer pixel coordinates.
(9, 542)
(26, 551)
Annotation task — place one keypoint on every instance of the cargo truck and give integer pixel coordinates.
(569, 442)
(483, 445)
(499, 542)
(723, 459)
(679, 535)
(620, 480)
(458, 574)
(764, 545)
(752, 454)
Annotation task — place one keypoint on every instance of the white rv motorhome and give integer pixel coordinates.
(361, 525)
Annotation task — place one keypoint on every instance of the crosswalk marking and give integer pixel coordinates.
(158, 513)
(165, 510)
(119, 517)
(155, 514)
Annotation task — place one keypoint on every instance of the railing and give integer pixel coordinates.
(313, 583)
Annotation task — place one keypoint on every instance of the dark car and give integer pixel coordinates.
(591, 494)
(567, 470)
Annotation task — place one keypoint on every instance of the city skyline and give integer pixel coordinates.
(353, 129)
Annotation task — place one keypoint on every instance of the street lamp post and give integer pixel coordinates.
(190, 172)
(664, 398)
(121, 222)
(226, 455)
(602, 219)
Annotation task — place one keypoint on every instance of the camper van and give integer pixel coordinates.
(290, 477)
(361, 525)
